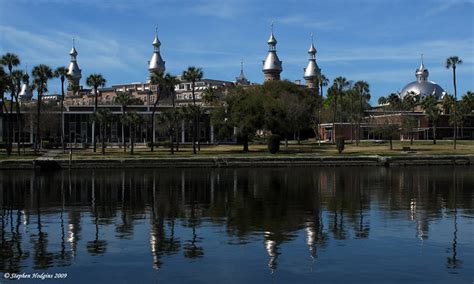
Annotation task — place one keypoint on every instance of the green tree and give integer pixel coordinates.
(157, 80)
(362, 91)
(453, 62)
(389, 131)
(124, 99)
(17, 77)
(133, 120)
(409, 126)
(432, 111)
(394, 101)
(41, 74)
(410, 100)
(194, 74)
(382, 100)
(448, 103)
(95, 81)
(61, 73)
(10, 60)
(170, 85)
(103, 117)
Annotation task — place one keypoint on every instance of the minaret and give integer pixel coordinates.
(421, 73)
(74, 73)
(312, 70)
(242, 80)
(272, 66)
(156, 63)
(25, 93)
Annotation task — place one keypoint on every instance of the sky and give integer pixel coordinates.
(379, 41)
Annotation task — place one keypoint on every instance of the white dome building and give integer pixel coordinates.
(422, 86)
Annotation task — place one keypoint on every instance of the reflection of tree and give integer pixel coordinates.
(452, 261)
(42, 258)
(97, 246)
(191, 247)
(64, 256)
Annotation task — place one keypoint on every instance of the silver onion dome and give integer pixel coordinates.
(156, 63)
(73, 70)
(422, 86)
(272, 63)
(312, 70)
(25, 92)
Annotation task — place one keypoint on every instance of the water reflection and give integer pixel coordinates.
(47, 219)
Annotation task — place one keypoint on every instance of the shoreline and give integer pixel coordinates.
(236, 162)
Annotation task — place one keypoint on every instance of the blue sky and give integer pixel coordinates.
(379, 41)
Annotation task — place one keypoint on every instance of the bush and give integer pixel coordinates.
(47, 144)
(273, 144)
(340, 144)
(86, 145)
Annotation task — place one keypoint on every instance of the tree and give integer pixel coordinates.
(362, 90)
(158, 81)
(382, 100)
(410, 100)
(41, 74)
(388, 131)
(394, 102)
(193, 74)
(103, 117)
(61, 73)
(409, 126)
(335, 94)
(124, 99)
(452, 62)
(448, 103)
(323, 82)
(95, 81)
(133, 120)
(10, 60)
(432, 111)
(241, 110)
(17, 77)
(170, 85)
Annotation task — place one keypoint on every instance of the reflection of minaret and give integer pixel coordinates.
(272, 66)
(272, 249)
(311, 237)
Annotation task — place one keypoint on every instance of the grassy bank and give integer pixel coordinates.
(257, 150)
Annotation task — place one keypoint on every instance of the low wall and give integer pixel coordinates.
(214, 162)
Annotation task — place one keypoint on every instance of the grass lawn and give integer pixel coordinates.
(442, 147)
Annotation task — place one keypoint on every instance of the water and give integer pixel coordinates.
(285, 225)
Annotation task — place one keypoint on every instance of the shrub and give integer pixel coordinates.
(273, 144)
(340, 144)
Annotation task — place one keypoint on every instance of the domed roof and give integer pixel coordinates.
(423, 89)
(422, 86)
(272, 62)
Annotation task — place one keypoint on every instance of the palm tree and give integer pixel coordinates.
(61, 73)
(340, 85)
(193, 74)
(452, 62)
(95, 81)
(394, 101)
(323, 82)
(10, 60)
(133, 119)
(103, 117)
(432, 111)
(124, 99)
(41, 74)
(170, 84)
(382, 100)
(448, 102)
(17, 77)
(156, 79)
(363, 92)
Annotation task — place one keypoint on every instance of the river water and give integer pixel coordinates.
(252, 225)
